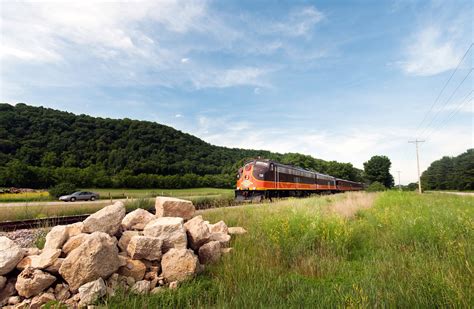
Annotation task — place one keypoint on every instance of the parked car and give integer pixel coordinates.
(80, 196)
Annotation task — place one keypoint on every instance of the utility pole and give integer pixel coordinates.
(417, 162)
(399, 183)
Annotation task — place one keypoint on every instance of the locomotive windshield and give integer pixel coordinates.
(259, 169)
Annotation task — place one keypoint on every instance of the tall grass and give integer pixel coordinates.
(405, 251)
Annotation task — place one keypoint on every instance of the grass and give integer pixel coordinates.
(406, 250)
(107, 194)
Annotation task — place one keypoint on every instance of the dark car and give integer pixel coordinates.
(80, 196)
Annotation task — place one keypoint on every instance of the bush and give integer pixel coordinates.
(376, 186)
(62, 189)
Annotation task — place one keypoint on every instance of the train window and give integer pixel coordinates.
(271, 167)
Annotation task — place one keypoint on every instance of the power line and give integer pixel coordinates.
(446, 102)
(464, 100)
(444, 87)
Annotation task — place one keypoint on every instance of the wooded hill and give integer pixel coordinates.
(450, 173)
(41, 147)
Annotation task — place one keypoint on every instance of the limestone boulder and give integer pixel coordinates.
(75, 228)
(32, 251)
(31, 282)
(223, 239)
(61, 292)
(56, 238)
(39, 300)
(236, 230)
(10, 255)
(54, 268)
(219, 227)
(91, 291)
(137, 219)
(170, 229)
(145, 247)
(141, 287)
(197, 231)
(96, 258)
(133, 268)
(125, 239)
(210, 252)
(42, 261)
(174, 207)
(179, 264)
(106, 220)
(74, 242)
(3, 282)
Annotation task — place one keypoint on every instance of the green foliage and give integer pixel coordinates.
(378, 169)
(63, 188)
(41, 147)
(450, 173)
(376, 187)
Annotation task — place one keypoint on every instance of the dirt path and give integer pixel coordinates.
(58, 203)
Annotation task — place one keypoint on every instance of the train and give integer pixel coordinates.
(262, 179)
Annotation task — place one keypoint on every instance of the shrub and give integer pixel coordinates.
(62, 189)
(376, 186)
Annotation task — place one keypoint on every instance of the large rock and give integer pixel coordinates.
(145, 247)
(141, 287)
(39, 300)
(179, 264)
(223, 239)
(125, 239)
(74, 242)
(56, 238)
(54, 268)
(42, 261)
(133, 268)
(174, 207)
(210, 252)
(170, 229)
(236, 230)
(106, 220)
(31, 282)
(137, 219)
(96, 258)
(197, 231)
(75, 228)
(92, 291)
(3, 282)
(10, 255)
(61, 292)
(219, 227)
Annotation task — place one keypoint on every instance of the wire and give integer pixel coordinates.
(444, 87)
(446, 102)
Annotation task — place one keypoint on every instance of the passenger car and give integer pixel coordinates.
(80, 196)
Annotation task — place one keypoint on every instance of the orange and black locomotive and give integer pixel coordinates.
(259, 179)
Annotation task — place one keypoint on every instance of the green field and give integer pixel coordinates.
(121, 193)
(201, 197)
(406, 250)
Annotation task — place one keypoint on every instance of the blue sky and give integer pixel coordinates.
(339, 80)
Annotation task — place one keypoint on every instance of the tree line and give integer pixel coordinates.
(450, 173)
(42, 147)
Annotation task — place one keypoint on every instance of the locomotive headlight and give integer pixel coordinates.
(260, 175)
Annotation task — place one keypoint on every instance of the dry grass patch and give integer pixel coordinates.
(352, 203)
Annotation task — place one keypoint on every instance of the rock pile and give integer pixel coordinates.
(138, 251)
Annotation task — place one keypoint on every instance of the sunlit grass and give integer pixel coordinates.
(25, 196)
(405, 251)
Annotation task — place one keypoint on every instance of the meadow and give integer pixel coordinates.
(394, 249)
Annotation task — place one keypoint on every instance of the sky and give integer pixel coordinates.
(338, 80)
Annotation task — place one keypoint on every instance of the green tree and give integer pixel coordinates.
(378, 169)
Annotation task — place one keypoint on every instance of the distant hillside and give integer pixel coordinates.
(40, 147)
(450, 173)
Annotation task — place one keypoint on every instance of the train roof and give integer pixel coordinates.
(289, 166)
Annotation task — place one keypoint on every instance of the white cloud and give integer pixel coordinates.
(432, 52)
(178, 116)
(184, 60)
(257, 90)
(300, 22)
(222, 78)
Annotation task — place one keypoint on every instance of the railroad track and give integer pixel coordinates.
(7, 226)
